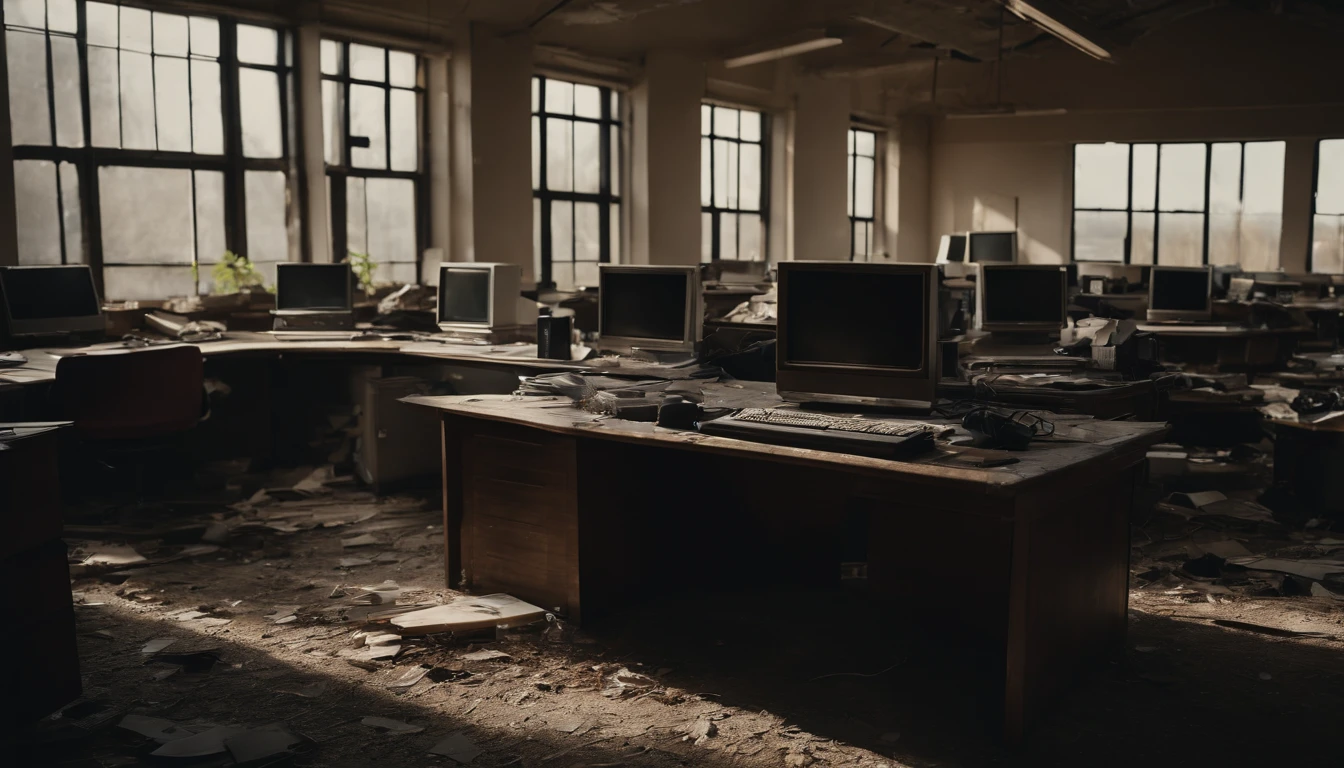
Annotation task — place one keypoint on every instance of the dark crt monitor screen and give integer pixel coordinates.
(992, 246)
(1023, 296)
(43, 294)
(464, 296)
(1180, 291)
(644, 306)
(856, 318)
(313, 286)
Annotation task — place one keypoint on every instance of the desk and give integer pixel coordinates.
(1227, 347)
(577, 513)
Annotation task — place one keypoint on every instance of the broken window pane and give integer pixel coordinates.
(26, 13)
(368, 63)
(207, 127)
(267, 236)
(29, 117)
(146, 215)
(559, 162)
(100, 23)
(172, 100)
(587, 101)
(1099, 235)
(257, 45)
(562, 231)
(587, 157)
(331, 57)
(170, 34)
(391, 222)
(1101, 176)
(137, 100)
(401, 69)
(367, 119)
(260, 106)
(136, 30)
(559, 97)
(587, 232)
(1181, 184)
(36, 213)
(65, 82)
(104, 98)
(73, 221)
(405, 136)
(333, 114)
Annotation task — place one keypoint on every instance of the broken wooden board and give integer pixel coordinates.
(465, 614)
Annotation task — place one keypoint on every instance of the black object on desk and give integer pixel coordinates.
(800, 429)
(553, 335)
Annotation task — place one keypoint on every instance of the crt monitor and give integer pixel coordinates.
(1180, 293)
(1022, 298)
(982, 247)
(855, 333)
(480, 295)
(649, 307)
(314, 288)
(46, 300)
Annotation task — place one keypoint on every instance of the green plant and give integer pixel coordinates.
(235, 273)
(364, 266)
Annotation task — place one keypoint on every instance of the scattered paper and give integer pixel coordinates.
(112, 554)
(484, 655)
(457, 747)
(468, 613)
(157, 644)
(359, 541)
(412, 676)
(1315, 570)
(355, 562)
(391, 726)
(260, 743)
(210, 742)
(156, 728)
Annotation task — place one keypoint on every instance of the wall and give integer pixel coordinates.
(821, 128)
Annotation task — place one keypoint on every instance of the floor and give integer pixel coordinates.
(731, 679)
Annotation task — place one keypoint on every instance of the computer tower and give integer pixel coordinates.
(399, 443)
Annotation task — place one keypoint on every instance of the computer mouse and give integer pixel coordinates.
(998, 428)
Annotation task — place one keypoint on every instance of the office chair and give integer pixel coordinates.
(131, 404)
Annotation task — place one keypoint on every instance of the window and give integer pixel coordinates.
(146, 143)
(576, 201)
(863, 185)
(733, 192)
(372, 106)
(1327, 223)
(1179, 204)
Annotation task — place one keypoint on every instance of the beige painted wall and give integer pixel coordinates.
(820, 175)
(665, 160)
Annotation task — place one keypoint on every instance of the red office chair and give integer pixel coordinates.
(131, 403)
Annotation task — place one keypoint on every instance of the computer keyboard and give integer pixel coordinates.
(883, 439)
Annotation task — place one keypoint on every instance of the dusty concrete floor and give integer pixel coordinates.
(746, 673)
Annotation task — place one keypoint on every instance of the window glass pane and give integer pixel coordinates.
(171, 104)
(1181, 182)
(1099, 236)
(751, 177)
(65, 81)
(1225, 178)
(857, 240)
(1330, 177)
(562, 231)
(1145, 177)
(26, 13)
(332, 114)
(209, 222)
(587, 157)
(36, 213)
(207, 127)
(267, 239)
(1142, 232)
(614, 226)
(865, 143)
(733, 174)
(1262, 188)
(61, 16)
(1180, 239)
(559, 162)
(137, 98)
(725, 122)
(720, 173)
(367, 103)
(29, 116)
(727, 236)
(706, 119)
(170, 34)
(204, 36)
(586, 274)
(1101, 176)
(131, 283)
(559, 97)
(536, 95)
(72, 220)
(750, 125)
(260, 107)
(863, 185)
(849, 182)
(1327, 243)
(136, 30)
(104, 98)
(405, 133)
(100, 22)
(707, 236)
(257, 45)
(562, 274)
(355, 216)
(146, 215)
(368, 63)
(615, 106)
(587, 101)
(536, 153)
(1224, 237)
(331, 57)
(751, 234)
(401, 68)
(706, 173)
(587, 232)
(391, 207)
(615, 163)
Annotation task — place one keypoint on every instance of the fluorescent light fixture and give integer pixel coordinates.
(1054, 26)
(806, 42)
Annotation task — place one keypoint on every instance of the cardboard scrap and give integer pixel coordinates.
(469, 613)
(457, 747)
(210, 742)
(391, 726)
(484, 655)
(156, 728)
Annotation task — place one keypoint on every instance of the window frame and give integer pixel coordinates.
(715, 211)
(607, 156)
(875, 220)
(1157, 210)
(88, 159)
(338, 176)
(1315, 192)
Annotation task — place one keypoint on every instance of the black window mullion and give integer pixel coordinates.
(1208, 180)
(235, 196)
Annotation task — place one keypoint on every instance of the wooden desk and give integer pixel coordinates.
(577, 513)
(1226, 346)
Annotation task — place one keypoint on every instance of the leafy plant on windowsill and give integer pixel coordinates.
(364, 266)
(235, 274)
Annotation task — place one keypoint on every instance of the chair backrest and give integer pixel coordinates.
(132, 395)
